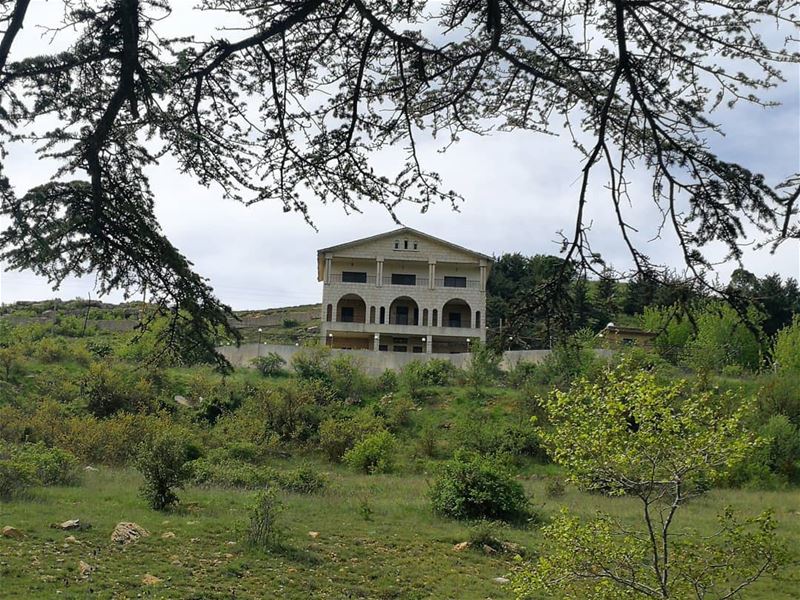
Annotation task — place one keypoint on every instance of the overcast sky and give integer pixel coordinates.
(520, 189)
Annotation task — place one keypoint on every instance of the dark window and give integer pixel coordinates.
(348, 313)
(354, 277)
(401, 315)
(329, 313)
(399, 340)
(455, 282)
(383, 348)
(403, 279)
(435, 318)
(371, 314)
(396, 245)
(415, 245)
(399, 348)
(424, 317)
(417, 349)
(416, 316)
(405, 244)
(454, 319)
(628, 342)
(477, 318)
(383, 315)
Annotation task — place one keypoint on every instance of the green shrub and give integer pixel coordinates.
(387, 382)
(290, 412)
(15, 478)
(786, 355)
(51, 466)
(231, 473)
(302, 480)
(109, 390)
(396, 411)
(10, 363)
(485, 533)
(521, 374)
(416, 375)
(338, 435)
(779, 394)
(347, 380)
(373, 454)
(554, 487)
(428, 441)
(311, 362)
(723, 339)
(483, 368)
(264, 531)
(783, 447)
(511, 440)
(164, 465)
(270, 365)
(473, 487)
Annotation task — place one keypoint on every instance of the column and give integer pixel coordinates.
(483, 275)
(328, 261)
(377, 342)
(431, 274)
(379, 271)
(429, 344)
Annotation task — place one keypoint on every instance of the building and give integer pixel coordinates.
(403, 291)
(614, 336)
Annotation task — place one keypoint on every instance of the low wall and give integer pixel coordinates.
(375, 363)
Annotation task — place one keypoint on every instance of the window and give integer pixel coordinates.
(399, 348)
(371, 314)
(354, 277)
(403, 279)
(416, 316)
(348, 313)
(417, 350)
(329, 313)
(405, 244)
(477, 318)
(435, 318)
(383, 315)
(399, 340)
(454, 319)
(397, 244)
(424, 317)
(383, 348)
(415, 245)
(455, 282)
(401, 315)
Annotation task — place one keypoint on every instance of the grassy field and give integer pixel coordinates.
(400, 551)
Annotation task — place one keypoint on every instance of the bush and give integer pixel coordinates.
(723, 339)
(396, 411)
(786, 355)
(230, 473)
(511, 440)
(109, 390)
(337, 436)
(554, 487)
(417, 375)
(311, 362)
(163, 463)
(264, 531)
(373, 454)
(483, 368)
(485, 533)
(302, 480)
(15, 479)
(51, 466)
(348, 382)
(270, 365)
(387, 382)
(472, 487)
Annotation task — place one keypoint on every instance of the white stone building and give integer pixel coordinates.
(403, 291)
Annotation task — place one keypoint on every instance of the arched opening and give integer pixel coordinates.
(403, 311)
(351, 308)
(456, 313)
(383, 315)
(371, 314)
(424, 317)
(477, 319)
(329, 313)
(435, 318)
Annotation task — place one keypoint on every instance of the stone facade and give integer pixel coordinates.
(403, 291)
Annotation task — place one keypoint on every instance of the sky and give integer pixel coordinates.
(519, 190)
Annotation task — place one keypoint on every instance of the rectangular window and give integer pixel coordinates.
(403, 279)
(399, 349)
(417, 349)
(399, 340)
(348, 314)
(383, 348)
(455, 281)
(454, 319)
(354, 277)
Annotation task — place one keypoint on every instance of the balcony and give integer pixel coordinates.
(366, 279)
(396, 329)
(414, 282)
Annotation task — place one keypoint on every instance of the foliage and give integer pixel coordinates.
(417, 375)
(338, 435)
(387, 382)
(264, 530)
(723, 339)
(554, 487)
(473, 487)
(311, 362)
(374, 454)
(50, 466)
(110, 389)
(164, 466)
(270, 365)
(786, 355)
(15, 479)
(660, 442)
(484, 532)
(500, 440)
(10, 362)
(483, 368)
(673, 328)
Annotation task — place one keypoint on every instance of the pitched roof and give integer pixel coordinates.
(399, 231)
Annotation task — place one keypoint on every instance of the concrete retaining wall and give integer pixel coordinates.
(375, 363)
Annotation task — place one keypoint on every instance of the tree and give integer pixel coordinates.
(660, 443)
(313, 89)
(786, 354)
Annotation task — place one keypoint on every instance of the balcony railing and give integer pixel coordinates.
(469, 283)
(472, 284)
(416, 282)
(337, 278)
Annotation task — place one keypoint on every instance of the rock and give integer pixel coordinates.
(313, 534)
(90, 469)
(71, 539)
(512, 548)
(126, 533)
(12, 532)
(182, 401)
(167, 535)
(150, 579)
(71, 524)
(501, 580)
(85, 569)
(461, 546)
(230, 543)
(487, 549)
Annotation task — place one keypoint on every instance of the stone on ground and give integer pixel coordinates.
(126, 533)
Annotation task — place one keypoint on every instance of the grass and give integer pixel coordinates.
(400, 551)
